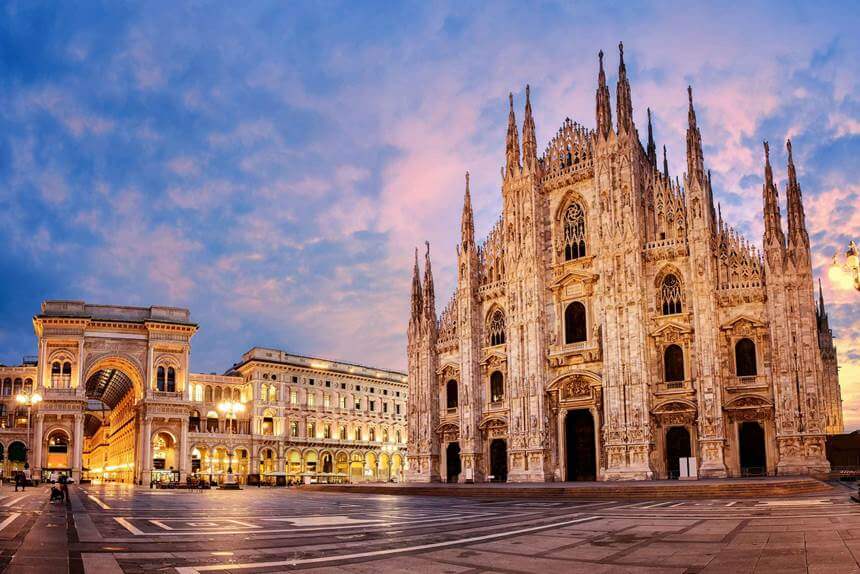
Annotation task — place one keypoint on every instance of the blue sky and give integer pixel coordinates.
(271, 167)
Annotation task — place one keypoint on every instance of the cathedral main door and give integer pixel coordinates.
(753, 455)
(452, 461)
(499, 460)
(677, 447)
(579, 443)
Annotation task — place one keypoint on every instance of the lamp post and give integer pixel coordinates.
(849, 269)
(29, 399)
(230, 409)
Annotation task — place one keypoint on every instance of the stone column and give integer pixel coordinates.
(184, 461)
(77, 463)
(36, 446)
(146, 452)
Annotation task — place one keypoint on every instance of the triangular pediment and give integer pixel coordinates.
(494, 357)
(669, 327)
(741, 319)
(573, 277)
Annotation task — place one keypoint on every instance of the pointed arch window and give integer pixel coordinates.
(497, 387)
(673, 364)
(159, 379)
(575, 330)
(670, 295)
(497, 328)
(574, 232)
(745, 359)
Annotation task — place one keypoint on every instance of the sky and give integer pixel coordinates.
(271, 166)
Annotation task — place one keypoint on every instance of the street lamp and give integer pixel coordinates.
(847, 273)
(29, 399)
(230, 409)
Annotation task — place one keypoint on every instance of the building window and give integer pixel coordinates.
(310, 381)
(159, 379)
(673, 363)
(326, 430)
(171, 380)
(384, 435)
(56, 370)
(497, 387)
(384, 407)
(358, 404)
(575, 328)
(372, 406)
(397, 408)
(343, 386)
(328, 384)
(397, 435)
(342, 433)
(312, 399)
(294, 398)
(670, 295)
(372, 432)
(745, 360)
(326, 401)
(574, 232)
(295, 379)
(342, 402)
(497, 328)
(312, 430)
(451, 398)
(294, 428)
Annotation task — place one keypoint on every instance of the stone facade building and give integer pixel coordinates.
(612, 324)
(120, 403)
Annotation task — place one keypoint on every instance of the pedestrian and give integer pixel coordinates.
(17, 480)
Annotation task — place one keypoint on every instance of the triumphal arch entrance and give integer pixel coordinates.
(114, 386)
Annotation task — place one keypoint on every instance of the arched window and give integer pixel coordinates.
(497, 387)
(209, 395)
(194, 421)
(574, 232)
(7, 386)
(384, 435)
(28, 386)
(171, 380)
(273, 393)
(342, 432)
(397, 437)
(372, 432)
(575, 330)
(159, 379)
(745, 360)
(264, 393)
(16, 389)
(497, 328)
(198, 393)
(451, 399)
(56, 374)
(211, 421)
(217, 395)
(670, 295)
(673, 363)
(237, 395)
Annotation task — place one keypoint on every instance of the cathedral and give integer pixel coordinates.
(612, 326)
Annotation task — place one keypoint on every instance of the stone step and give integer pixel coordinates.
(734, 488)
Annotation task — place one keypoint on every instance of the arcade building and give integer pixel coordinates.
(111, 397)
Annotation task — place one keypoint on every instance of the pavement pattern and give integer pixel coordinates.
(113, 529)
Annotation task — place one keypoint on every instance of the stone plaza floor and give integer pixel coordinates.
(113, 528)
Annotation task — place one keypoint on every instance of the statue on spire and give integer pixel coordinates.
(625, 104)
(529, 140)
(467, 222)
(512, 145)
(652, 147)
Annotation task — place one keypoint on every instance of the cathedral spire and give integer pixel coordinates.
(773, 235)
(604, 108)
(695, 158)
(429, 290)
(797, 234)
(665, 164)
(417, 299)
(512, 152)
(467, 223)
(651, 150)
(624, 103)
(529, 139)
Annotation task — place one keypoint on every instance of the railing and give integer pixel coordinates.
(58, 392)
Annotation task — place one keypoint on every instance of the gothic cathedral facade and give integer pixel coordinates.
(612, 326)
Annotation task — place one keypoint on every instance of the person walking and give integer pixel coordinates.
(19, 481)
